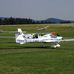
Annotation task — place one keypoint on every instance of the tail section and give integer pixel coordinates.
(20, 31)
(19, 36)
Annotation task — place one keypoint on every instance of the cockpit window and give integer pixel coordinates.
(35, 36)
(58, 35)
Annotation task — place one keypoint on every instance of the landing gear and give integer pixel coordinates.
(56, 46)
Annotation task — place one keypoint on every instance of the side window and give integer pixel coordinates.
(35, 36)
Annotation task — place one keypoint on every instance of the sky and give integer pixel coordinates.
(37, 9)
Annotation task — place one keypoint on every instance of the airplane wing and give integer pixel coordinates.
(68, 40)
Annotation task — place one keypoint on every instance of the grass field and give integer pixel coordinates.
(31, 58)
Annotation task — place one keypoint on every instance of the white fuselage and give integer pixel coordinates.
(45, 38)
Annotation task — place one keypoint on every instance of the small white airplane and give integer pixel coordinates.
(42, 28)
(52, 37)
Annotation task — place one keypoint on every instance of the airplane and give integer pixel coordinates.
(42, 28)
(24, 37)
(52, 37)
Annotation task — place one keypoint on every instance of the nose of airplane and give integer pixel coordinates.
(60, 38)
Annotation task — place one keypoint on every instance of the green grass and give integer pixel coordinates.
(32, 58)
(38, 60)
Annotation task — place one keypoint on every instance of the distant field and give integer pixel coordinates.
(67, 30)
(32, 58)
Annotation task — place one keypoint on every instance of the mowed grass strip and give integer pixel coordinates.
(66, 30)
(53, 61)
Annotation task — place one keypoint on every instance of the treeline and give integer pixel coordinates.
(14, 21)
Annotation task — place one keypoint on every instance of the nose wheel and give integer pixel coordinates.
(56, 46)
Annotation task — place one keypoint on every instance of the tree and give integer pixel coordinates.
(12, 20)
(0, 21)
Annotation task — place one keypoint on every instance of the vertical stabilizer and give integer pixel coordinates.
(19, 36)
(20, 31)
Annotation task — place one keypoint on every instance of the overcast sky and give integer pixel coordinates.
(37, 9)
